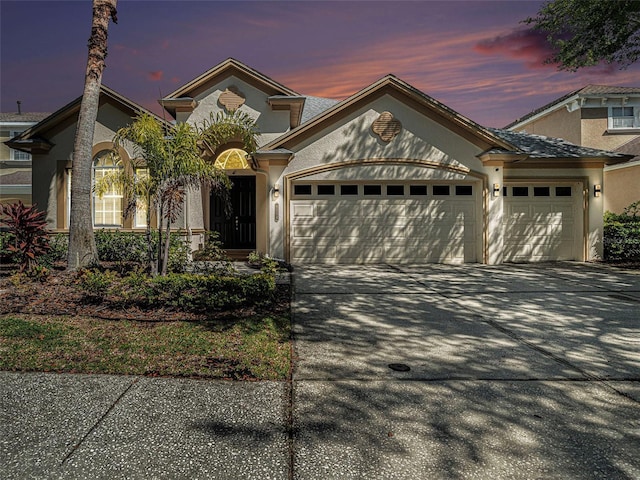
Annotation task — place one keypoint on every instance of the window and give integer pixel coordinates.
(563, 191)
(107, 211)
(464, 190)
(17, 154)
(373, 189)
(302, 189)
(140, 217)
(623, 117)
(520, 191)
(232, 159)
(326, 189)
(348, 189)
(441, 189)
(418, 190)
(395, 189)
(541, 191)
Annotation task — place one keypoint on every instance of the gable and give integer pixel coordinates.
(422, 136)
(405, 94)
(223, 70)
(254, 102)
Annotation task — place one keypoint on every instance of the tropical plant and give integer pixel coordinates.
(173, 157)
(82, 245)
(27, 225)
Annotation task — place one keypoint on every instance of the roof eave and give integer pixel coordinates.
(31, 145)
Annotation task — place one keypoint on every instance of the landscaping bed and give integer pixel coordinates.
(54, 325)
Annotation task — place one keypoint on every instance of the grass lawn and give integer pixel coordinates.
(254, 347)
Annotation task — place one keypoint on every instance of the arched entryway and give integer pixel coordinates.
(235, 222)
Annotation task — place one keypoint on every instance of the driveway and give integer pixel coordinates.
(514, 372)
(518, 371)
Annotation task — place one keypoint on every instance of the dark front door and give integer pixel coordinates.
(237, 228)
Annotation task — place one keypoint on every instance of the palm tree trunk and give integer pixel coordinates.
(82, 245)
(167, 244)
(160, 217)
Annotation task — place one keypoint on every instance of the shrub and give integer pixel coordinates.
(59, 246)
(95, 284)
(6, 239)
(27, 225)
(213, 249)
(185, 291)
(117, 246)
(622, 234)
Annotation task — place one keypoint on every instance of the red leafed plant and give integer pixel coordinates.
(27, 225)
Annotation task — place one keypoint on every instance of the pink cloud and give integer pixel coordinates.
(522, 44)
(156, 76)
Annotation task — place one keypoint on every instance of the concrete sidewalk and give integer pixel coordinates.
(515, 372)
(111, 427)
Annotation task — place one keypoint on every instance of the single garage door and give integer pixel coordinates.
(384, 223)
(543, 222)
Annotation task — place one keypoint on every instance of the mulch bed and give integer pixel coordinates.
(59, 295)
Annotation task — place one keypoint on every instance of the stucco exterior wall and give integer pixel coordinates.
(49, 178)
(271, 124)
(621, 186)
(595, 133)
(558, 124)
(421, 138)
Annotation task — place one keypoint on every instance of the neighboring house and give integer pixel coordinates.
(597, 116)
(15, 165)
(388, 175)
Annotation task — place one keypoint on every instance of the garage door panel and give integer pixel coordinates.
(381, 229)
(303, 210)
(542, 228)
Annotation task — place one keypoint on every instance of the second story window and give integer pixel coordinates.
(17, 154)
(623, 117)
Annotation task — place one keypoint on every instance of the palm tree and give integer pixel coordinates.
(173, 158)
(82, 245)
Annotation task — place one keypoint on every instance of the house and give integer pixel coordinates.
(15, 165)
(388, 175)
(597, 116)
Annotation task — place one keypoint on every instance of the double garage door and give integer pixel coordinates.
(414, 222)
(384, 223)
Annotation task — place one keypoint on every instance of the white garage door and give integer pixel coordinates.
(542, 222)
(384, 223)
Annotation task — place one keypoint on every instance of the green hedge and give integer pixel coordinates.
(113, 246)
(622, 235)
(184, 291)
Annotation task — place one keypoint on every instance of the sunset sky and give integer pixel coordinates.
(474, 56)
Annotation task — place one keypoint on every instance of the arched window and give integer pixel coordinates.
(232, 159)
(107, 211)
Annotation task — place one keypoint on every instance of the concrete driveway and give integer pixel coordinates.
(519, 371)
(515, 372)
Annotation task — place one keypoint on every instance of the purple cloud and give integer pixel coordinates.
(522, 44)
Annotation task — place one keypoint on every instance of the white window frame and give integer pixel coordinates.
(634, 117)
(140, 215)
(112, 197)
(15, 154)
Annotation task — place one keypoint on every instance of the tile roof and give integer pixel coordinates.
(23, 117)
(314, 106)
(632, 147)
(539, 146)
(16, 178)
(584, 91)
